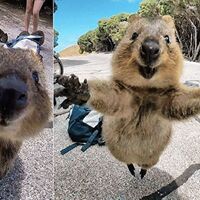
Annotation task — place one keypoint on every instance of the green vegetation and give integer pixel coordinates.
(186, 14)
(106, 36)
(55, 7)
(55, 38)
(150, 8)
(56, 34)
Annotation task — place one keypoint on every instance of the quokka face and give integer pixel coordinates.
(149, 54)
(24, 102)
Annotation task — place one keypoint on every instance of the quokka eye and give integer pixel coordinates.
(35, 77)
(167, 39)
(134, 36)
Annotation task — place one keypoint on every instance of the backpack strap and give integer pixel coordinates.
(94, 135)
(90, 140)
(69, 148)
(101, 141)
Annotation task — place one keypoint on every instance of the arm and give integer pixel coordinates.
(182, 104)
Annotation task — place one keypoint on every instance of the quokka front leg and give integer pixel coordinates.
(104, 96)
(182, 104)
(107, 98)
(8, 152)
(74, 91)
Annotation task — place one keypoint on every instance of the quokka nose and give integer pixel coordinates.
(13, 94)
(150, 50)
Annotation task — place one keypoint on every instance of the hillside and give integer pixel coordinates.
(70, 51)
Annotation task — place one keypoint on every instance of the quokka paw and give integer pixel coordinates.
(75, 91)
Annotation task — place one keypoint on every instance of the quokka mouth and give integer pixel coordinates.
(147, 72)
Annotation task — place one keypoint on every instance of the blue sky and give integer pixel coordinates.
(75, 17)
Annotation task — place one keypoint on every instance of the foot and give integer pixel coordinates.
(24, 33)
(131, 169)
(142, 173)
(41, 34)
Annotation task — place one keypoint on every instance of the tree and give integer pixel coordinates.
(187, 20)
(106, 36)
(186, 14)
(55, 7)
(56, 34)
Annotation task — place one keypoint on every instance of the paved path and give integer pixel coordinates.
(96, 175)
(32, 176)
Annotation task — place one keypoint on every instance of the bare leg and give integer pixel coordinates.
(29, 11)
(36, 10)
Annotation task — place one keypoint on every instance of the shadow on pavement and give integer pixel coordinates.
(10, 185)
(144, 189)
(70, 63)
(154, 180)
(173, 185)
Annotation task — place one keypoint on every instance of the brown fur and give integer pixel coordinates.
(138, 112)
(36, 114)
(3, 36)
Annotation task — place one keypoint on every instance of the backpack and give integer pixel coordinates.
(25, 42)
(84, 128)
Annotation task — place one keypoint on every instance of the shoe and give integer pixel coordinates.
(39, 33)
(24, 33)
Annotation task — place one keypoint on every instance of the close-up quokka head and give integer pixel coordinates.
(24, 102)
(148, 55)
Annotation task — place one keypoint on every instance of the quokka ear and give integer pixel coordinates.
(169, 20)
(133, 17)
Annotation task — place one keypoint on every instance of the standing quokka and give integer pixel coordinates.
(144, 95)
(24, 102)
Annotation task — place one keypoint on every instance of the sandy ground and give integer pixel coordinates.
(96, 174)
(32, 176)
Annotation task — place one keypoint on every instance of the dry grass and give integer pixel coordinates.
(70, 51)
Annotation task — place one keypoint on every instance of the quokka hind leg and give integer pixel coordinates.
(8, 152)
(132, 170)
(143, 173)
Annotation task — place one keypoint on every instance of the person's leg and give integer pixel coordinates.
(36, 10)
(29, 11)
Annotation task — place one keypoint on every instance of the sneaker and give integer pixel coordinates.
(39, 33)
(24, 33)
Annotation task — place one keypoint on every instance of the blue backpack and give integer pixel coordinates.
(85, 128)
